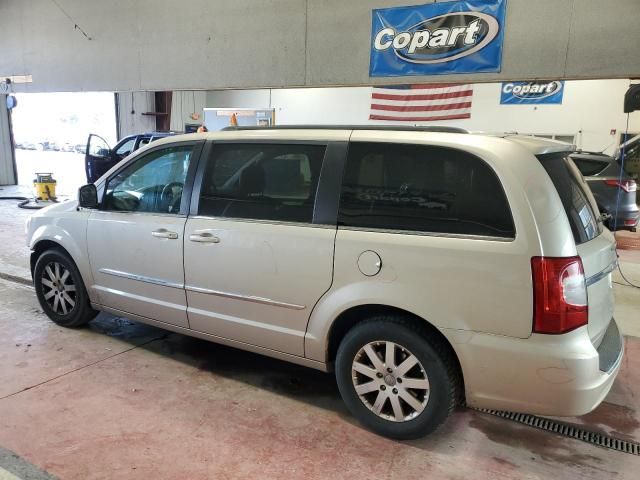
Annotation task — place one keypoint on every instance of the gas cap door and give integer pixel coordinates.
(369, 263)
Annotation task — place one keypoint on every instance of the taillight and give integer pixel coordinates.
(627, 185)
(559, 294)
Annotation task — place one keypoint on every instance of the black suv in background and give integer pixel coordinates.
(602, 174)
(100, 157)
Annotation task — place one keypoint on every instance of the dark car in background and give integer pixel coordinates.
(611, 186)
(100, 157)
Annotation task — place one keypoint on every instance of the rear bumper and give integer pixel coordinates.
(627, 219)
(563, 375)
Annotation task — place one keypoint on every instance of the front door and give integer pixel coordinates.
(135, 239)
(255, 263)
(98, 158)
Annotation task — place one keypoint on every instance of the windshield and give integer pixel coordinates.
(577, 199)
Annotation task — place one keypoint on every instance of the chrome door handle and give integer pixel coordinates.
(164, 233)
(204, 237)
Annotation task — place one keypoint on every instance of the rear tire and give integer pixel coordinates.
(379, 392)
(61, 291)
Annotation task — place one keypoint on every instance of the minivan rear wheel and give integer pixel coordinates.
(395, 379)
(60, 289)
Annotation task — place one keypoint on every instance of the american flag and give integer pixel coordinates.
(421, 103)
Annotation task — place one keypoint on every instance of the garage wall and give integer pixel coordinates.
(7, 164)
(131, 105)
(125, 45)
(183, 104)
(590, 110)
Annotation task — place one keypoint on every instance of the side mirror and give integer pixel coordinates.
(88, 196)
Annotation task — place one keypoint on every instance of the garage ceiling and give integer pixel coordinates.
(210, 44)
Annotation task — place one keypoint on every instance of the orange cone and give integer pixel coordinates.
(233, 122)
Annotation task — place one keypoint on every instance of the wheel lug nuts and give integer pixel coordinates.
(395, 390)
(389, 370)
(383, 387)
(399, 380)
(379, 375)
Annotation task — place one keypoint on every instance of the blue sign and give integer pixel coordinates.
(437, 38)
(524, 93)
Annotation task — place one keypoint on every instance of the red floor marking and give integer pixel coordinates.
(628, 243)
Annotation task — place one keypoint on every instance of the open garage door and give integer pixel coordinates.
(51, 130)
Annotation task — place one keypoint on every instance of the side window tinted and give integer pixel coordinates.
(575, 195)
(589, 167)
(126, 148)
(261, 181)
(152, 183)
(422, 188)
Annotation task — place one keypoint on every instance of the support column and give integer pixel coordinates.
(8, 173)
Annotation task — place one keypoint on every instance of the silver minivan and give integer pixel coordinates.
(427, 267)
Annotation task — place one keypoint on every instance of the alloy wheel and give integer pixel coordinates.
(58, 288)
(390, 381)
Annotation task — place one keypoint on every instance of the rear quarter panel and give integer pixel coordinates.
(456, 284)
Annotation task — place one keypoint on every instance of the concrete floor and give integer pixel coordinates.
(125, 400)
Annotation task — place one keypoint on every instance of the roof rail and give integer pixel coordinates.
(433, 128)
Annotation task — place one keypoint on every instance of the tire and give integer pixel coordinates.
(69, 305)
(435, 364)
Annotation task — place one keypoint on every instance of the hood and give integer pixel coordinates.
(64, 206)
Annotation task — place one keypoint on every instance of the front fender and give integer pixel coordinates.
(68, 230)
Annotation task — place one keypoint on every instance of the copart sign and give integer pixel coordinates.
(532, 92)
(437, 38)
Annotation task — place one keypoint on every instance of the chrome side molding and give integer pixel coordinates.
(141, 278)
(600, 275)
(248, 298)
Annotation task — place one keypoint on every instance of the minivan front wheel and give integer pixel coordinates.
(395, 379)
(60, 289)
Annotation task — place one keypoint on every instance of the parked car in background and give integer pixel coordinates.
(52, 145)
(100, 157)
(66, 147)
(415, 263)
(613, 189)
(31, 145)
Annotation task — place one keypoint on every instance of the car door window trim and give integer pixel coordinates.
(488, 238)
(262, 221)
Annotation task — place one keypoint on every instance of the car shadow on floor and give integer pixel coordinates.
(302, 384)
(319, 389)
(277, 376)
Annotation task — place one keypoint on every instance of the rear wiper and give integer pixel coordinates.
(604, 217)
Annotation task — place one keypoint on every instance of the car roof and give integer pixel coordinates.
(536, 145)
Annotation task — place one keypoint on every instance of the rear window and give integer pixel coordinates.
(423, 189)
(575, 195)
(589, 168)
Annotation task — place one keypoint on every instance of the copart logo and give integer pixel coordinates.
(440, 39)
(533, 90)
